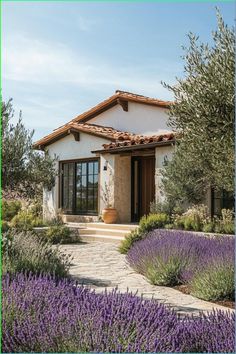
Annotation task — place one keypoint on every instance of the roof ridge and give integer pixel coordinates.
(129, 93)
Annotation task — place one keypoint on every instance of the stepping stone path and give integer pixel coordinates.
(100, 266)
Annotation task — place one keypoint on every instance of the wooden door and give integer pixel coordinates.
(143, 186)
(147, 184)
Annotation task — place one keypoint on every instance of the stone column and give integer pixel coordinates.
(122, 188)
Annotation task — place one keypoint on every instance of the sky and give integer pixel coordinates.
(61, 58)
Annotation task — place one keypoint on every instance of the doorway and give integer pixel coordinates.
(142, 186)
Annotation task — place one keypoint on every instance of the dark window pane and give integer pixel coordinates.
(65, 169)
(84, 168)
(79, 204)
(78, 182)
(90, 181)
(90, 168)
(84, 181)
(67, 187)
(79, 169)
(95, 167)
(86, 187)
(71, 169)
(83, 205)
(95, 180)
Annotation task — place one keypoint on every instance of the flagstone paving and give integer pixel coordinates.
(100, 266)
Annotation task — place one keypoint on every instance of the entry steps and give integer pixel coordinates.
(98, 231)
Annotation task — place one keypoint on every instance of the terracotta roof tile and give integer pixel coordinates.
(108, 132)
(79, 122)
(94, 129)
(140, 140)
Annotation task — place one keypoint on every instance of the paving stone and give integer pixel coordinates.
(100, 266)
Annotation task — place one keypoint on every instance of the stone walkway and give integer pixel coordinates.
(99, 266)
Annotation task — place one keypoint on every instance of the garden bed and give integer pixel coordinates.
(185, 289)
(58, 234)
(49, 315)
(199, 265)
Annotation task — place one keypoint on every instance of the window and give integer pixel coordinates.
(79, 185)
(221, 200)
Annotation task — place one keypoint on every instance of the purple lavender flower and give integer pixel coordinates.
(174, 257)
(42, 314)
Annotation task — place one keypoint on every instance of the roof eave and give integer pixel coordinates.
(134, 147)
(42, 143)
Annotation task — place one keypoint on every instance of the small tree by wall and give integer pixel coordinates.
(24, 170)
(204, 114)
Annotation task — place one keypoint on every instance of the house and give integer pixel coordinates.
(123, 142)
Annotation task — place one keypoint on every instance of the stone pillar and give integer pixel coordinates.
(122, 188)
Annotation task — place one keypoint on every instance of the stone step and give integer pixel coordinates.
(93, 231)
(67, 218)
(102, 238)
(101, 225)
(108, 232)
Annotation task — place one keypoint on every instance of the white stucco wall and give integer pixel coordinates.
(68, 149)
(140, 119)
(106, 177)
(161, 153)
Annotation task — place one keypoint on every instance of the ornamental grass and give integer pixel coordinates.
(42, 314)
(170, 258)
(23, 251)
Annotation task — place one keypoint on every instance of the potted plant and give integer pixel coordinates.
(109, 213)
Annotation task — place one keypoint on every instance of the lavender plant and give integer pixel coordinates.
(42, 314)
(176, 257)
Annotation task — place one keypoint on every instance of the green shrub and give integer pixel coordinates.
(169, 226)
(146, 224)
(166, 207)
(26, 220)
(58, 234)
(227, 221)
(25, 252)
(165, 273)
(5, 226)
(57, 221)
(209, 227)
(179, 222)
(129, 240)
(10, 209)
(152, 222)
(215, 283)
(193, 219)
(36, 208)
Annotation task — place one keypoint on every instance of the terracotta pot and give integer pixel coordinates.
(109, 215)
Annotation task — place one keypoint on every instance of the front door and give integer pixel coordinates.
(143, 186)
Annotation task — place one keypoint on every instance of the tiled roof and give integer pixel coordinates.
(140, 140)
(114, 99)
(79, 122)
(94, 129)
(107, 132)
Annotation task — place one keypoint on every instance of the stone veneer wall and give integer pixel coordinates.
(122, 188)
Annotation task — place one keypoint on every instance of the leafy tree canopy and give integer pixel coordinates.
(204, 114)
(24, 170)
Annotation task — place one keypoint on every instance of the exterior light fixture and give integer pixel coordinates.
(105, 166)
